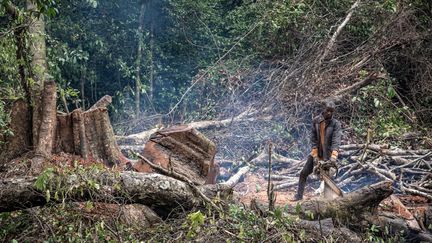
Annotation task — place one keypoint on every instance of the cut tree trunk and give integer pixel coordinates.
(352, 207)
(20, 125)
(160, 192)
(89, 134)
(183, 150)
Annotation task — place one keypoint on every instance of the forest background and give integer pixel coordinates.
(195, 60)
(265, 63)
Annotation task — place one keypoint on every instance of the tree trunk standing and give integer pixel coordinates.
(46, 131)
(89, 134)
(38, 66)
(37, 125)
(82, 83)
(151, 78)
(139, 58)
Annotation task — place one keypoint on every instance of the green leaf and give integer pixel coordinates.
(391, 92)
(43, 179)
(298, 208)
(47, 195)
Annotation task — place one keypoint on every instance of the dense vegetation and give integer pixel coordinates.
(93, 50)
(177, 61)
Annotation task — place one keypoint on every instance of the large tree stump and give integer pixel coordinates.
(182, 149)
(89, 134)
(85, 133)
(19, 141)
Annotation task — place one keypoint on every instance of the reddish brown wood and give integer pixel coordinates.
(183, 149)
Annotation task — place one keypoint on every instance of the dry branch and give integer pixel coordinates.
(236, 177)
(142, 137)
(338, 31)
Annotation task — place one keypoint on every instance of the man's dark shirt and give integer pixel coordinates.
(331, 140)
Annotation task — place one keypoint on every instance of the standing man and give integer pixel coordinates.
(325, 139)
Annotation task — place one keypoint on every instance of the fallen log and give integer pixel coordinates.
(161, 193)
(142, 137)
(236, 177)
(352, 207)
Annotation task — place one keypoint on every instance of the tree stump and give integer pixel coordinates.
(19, 141)
(89, 134)
(184, 150)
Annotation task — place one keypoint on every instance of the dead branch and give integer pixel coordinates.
(338, 31)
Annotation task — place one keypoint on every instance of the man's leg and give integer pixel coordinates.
(306, 171)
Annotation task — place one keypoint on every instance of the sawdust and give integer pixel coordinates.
(255, 185)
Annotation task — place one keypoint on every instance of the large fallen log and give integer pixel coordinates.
(142, 137)
(352, 207)
(160, 192)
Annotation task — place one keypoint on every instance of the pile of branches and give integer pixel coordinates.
(410, 170)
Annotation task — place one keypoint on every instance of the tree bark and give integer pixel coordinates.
(20, 126)
(139, 57)
(38, 65)
(46, 131)
(90, 135)
(155, 190)
(352, 207)
(181, 149)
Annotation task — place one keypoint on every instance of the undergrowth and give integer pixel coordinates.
(65, 220)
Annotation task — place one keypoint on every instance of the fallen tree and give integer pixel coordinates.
(135, 141)
(352, 207)
(157, 191)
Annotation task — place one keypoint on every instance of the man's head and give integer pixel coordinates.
(329, 108)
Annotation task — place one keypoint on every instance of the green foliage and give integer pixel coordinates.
(194, 222)
(378, 235)
(5, 131)
(376, 109)
(59, 183)
(67, 223)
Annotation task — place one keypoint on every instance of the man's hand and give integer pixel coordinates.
(315, 161)
(333, 160)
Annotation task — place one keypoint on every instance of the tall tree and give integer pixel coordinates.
(139, 54)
